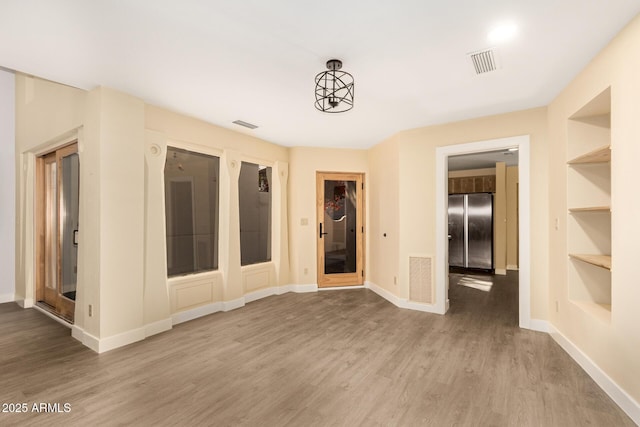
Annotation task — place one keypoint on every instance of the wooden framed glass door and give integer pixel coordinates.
(57, 214)
(340, 229)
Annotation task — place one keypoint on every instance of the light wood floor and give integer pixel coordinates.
(330, 358)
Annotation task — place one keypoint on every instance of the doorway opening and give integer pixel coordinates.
(340, 217)
(57, 225)
(443, 154)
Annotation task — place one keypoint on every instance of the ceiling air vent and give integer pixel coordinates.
(245, 124)
(483, 61)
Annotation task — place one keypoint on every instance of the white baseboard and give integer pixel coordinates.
(279, 290)
(110, 343)
(538, 325)
(615, 392)
(384, 294)
(85, 338)
(120, 340)
(233, 304)
(512, 267)
(500, 271)
(194, 313)
(401, 302)
(185, 316)
(77, 332)
(7, 298)
(341, 288)
(102, 345)
(298, 289)
(25, 303)
(157, 327)
(259, 294)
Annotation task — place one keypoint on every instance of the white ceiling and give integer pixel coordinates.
(255, 60)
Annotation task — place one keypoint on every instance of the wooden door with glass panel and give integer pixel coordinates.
(58, 182)
(340, 229)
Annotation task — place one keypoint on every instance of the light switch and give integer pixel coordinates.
(304, 221)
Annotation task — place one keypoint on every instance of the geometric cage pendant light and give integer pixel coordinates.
(334, 89)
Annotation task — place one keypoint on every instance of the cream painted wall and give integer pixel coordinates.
(304, 163)
(233, 148)
(416, 189)
(45, 113)
(121, 218)
(122, 262)
(7, 186)
(384, 204)
(109, 129)
(613, 346)
(193, 131)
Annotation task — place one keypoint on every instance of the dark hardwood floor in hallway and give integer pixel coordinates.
(330, 358)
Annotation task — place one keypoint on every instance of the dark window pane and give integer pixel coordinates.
(191, 207)
(255, 213)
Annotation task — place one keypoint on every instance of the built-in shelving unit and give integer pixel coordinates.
(589, 197)
(599, 311)
(603, 261)
(591, 209)
(599, 155)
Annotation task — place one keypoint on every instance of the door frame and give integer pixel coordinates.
(521, 142)
(346, 279)
(43, 292)
(62, 307)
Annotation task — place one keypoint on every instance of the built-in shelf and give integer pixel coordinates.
(603, 261)
(600, 311)
(591, 209)
(599, 155)
(589, 148)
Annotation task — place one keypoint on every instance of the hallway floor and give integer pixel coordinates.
(474, 292)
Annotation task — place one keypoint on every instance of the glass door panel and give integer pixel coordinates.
(50, 230)
(341, 229)
(340, 240)
(69, 199)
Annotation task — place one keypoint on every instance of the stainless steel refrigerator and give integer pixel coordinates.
(471, 230)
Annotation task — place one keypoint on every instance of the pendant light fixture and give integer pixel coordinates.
(334, 89)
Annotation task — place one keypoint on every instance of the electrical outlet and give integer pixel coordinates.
(90, 310)
(395, 280)
(557, 223)
(306, 271)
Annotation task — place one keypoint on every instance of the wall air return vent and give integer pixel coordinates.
(484, 61)
(421, 287)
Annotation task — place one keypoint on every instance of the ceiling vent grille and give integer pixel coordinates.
(484, 61)
(245, 124)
